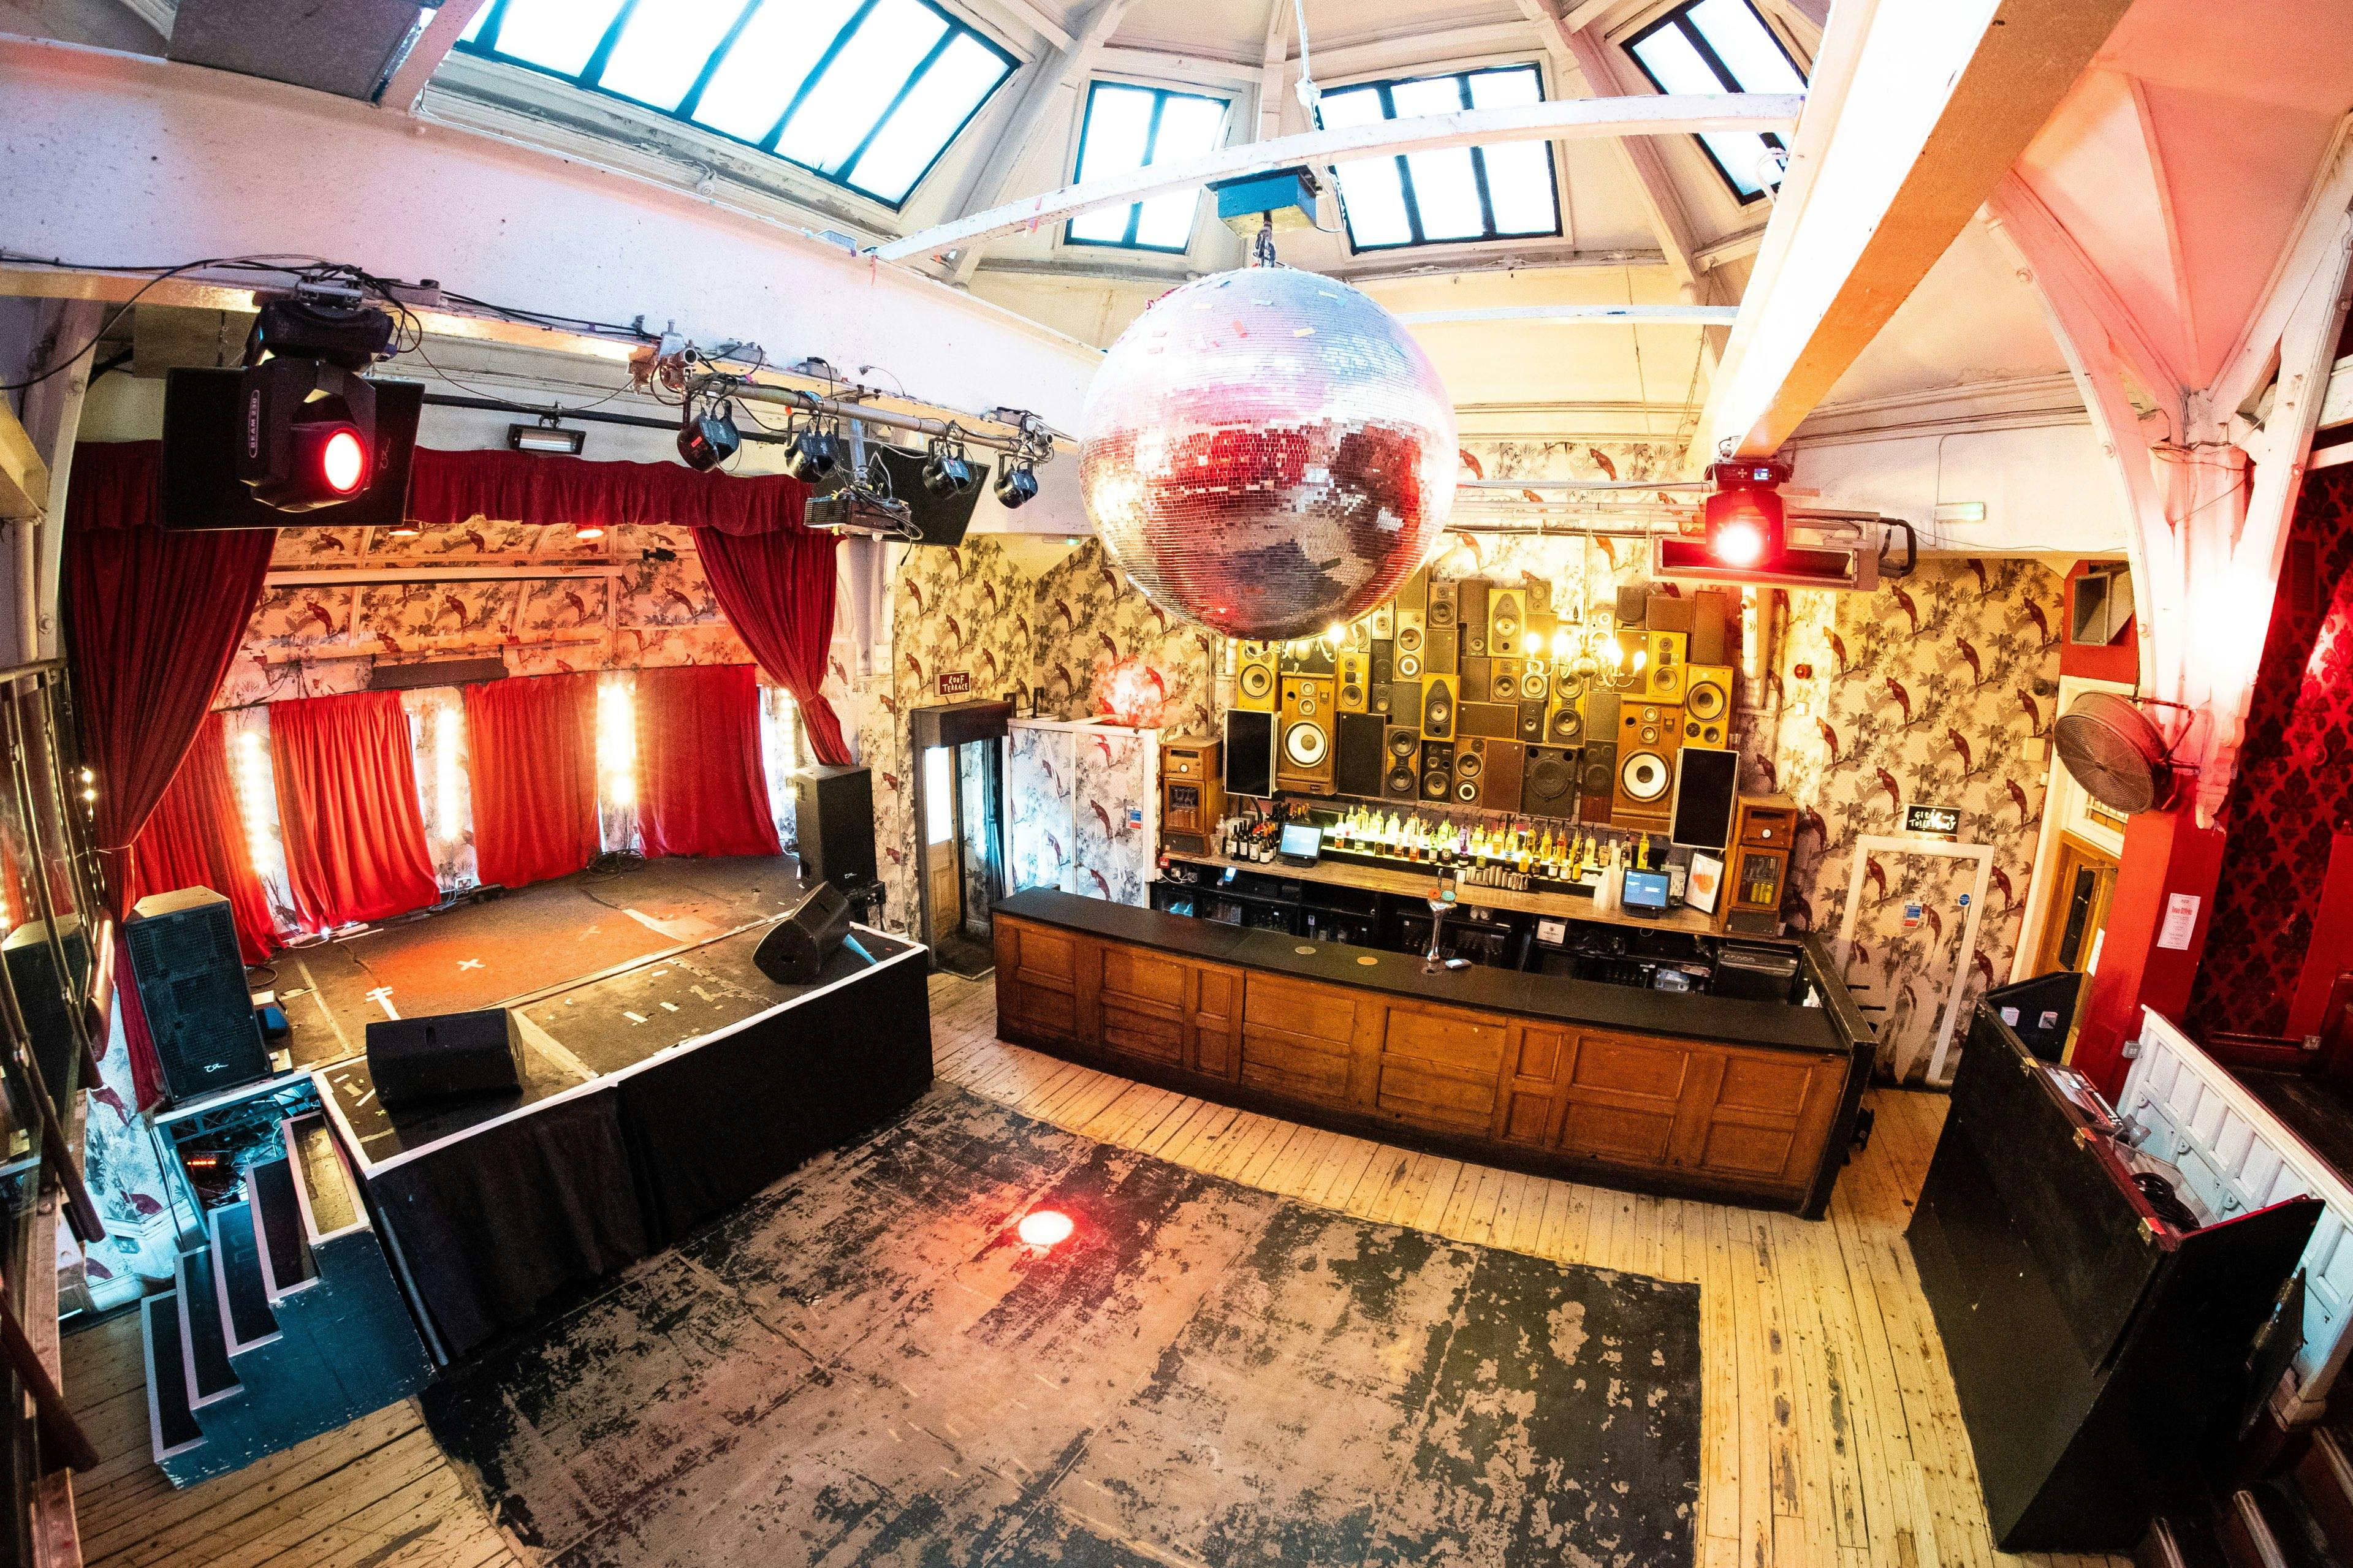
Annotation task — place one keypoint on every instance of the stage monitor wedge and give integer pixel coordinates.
(796, 948)
(199, 489)
(446, 1056)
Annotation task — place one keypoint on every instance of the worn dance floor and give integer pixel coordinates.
(1828, 1429)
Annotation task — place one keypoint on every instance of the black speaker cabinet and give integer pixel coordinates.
(1549, 783)
(1597, 785)
(796, 948)
(1437, 770)
(1362, 759)
(450, 1055)
(191, 978)
(33, 972)
(835, 821)
(1383, 654)
(1471, 614)
(1402, 777)
(1706, 784)
(1250, 751)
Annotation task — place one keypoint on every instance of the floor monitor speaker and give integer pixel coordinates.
(836, 824)
(1597, 781)
(452, 1055)
(1707, 785)
(1500, 786)
(1362, 759)
(1401, 776)
(796, 948)
(1303, 750)
(1548, 782)
(1437, 770)
(1254, 677)
(1470, 613)
(1250, 752)
(1707, 705)
(1437, 707)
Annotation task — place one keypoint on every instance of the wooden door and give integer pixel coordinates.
(2085, 879)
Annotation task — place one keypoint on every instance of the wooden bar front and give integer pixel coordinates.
(1508, 1081)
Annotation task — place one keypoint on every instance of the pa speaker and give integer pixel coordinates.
(1597, 785)
(835, 823)
(796, 948)
(191, 979)
(1707, 786)
(1250, 751)
(452, 1055)
(1361, 757)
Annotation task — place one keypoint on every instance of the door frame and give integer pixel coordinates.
(1888, 843)
(2073, 848)
(2064, 811)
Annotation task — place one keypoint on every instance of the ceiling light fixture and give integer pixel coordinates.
(1016, 483)
(708, 438)
(547, 435)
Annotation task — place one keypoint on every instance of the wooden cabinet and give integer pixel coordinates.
(1739, 1122)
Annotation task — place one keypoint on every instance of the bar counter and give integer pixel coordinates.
(1741, 1101)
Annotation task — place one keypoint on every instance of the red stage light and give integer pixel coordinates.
(1739, 543)
(1042, 1228)
(1744, 528)
(343, 461)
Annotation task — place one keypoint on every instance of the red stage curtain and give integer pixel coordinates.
(531, 752)
(347, 806)
(152, 620)
(195, 839)
(777, 590)
(702, 789)
(524, 486)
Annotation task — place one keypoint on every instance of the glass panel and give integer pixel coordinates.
(1370, 187)
(1118, 129)
(1674, 65)
(939, 796)
(772, 56)
(1189, 127)
(859, 84)
(1445, 190)
(1519, 173)
(555, 35)
(1739, 39)
(663, 48)
(955, 85)
(1741, 154)
(474, 32)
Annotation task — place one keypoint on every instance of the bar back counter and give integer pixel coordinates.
(1678, 1093)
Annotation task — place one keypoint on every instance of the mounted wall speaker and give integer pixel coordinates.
(1437, 770)
(1500, 786)
(1532, 721)
(1564, 719)
(1401, 779)
(1478, 678)
(2113, 750)
(1707, 705)
(1470, 769)
(1302, 748)
(1354, 687)
(1548, 782)
(1413, 595)
(1443, 654)
(1382, 622)
(1507, 620)
(1250, 752)
(1597, 781)
(1471, 614)
(1504, 682)
(1666, 664)
(1254, 677)
(1498, 720)
(1707, 785)
(1443, 598)
(1437, 707)
(1360, 758)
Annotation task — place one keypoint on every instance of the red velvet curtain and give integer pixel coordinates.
(702, 789)
(777, 590)
(195, 839)
(152, 621)
(531, 753)
(524, 486)
(347, 806)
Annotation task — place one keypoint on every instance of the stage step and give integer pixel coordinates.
(327, 1192)
(2327, 1477)
(238, 1288)
(286, 1263)
(171, 1426)
(210, 1377)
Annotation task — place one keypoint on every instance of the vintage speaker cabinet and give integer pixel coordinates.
(1192, 794)
(1303, 737)
(1254, 675)
(1762, 826)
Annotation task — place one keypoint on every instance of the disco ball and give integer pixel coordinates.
(1267, 452)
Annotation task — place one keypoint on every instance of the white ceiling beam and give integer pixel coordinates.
(1586, 14)
(1066, 70)
(1172, 66)
(1598, 62)
(1037, 21)
(2250, 361)
(1274, 70)
(2059, 259)
(1581, 315)
(406, 83)
(1928, 106)
(1648, 116)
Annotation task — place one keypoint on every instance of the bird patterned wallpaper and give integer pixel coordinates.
(2293, 792)
(1929, 691)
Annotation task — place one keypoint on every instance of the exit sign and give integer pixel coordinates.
(1933, 821)
(955, 682)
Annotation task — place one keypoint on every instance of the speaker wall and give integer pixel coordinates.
(1597, 781)
(1361, 758)
(1498, 720)
(1254, 677)
(1471, 614)
(1707, 785)
(1250, 752)
(1302, 744)
(1437, 707)
(1548, 783)
(1437, 770)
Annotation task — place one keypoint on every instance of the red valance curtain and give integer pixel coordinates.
(702, 789)
(777, 590)
(531, 753)
(152, 620)
(347, 807)
(195, 839)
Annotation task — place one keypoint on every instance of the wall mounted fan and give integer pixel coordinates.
(2116, 753)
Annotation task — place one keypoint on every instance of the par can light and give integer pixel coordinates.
(1017, 484)
(708, 438)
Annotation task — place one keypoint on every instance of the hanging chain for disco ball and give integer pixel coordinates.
(1267, 451)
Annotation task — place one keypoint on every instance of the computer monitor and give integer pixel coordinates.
(1646, 892)
(1302, 842)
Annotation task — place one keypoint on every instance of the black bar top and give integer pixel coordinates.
(1689, 1014)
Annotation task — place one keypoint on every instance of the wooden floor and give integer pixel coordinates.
(1830, 1431)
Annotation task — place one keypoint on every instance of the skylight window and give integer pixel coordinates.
(1129, 127)
(1460, 194)
(1722, 46)
(865, 93)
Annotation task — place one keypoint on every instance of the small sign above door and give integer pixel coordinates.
(1933, 821)
(955, 682)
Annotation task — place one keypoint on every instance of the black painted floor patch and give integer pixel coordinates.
(864, 1365)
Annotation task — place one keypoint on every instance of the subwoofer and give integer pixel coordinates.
(1437, 707)
(1250, 752)
(1548, 785)
(1469, 768)
(1499, 786)
(1437, 770)
(1651, 726)
(1402, 780)
(1471, 614)
(1355, 691)
(1507, 620)
(1597, 781)
(1505, 683)
(1360, 758)
(1303, 754)
(1254, 677)
(796, 948)
(1707, 705)
(1666, 666)
(452, 1055)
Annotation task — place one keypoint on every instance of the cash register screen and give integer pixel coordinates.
(1646, 892)
(1301, 841)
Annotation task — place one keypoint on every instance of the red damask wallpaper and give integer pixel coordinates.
(2294, 788)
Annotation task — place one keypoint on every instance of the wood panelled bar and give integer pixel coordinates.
(1741, 1101)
